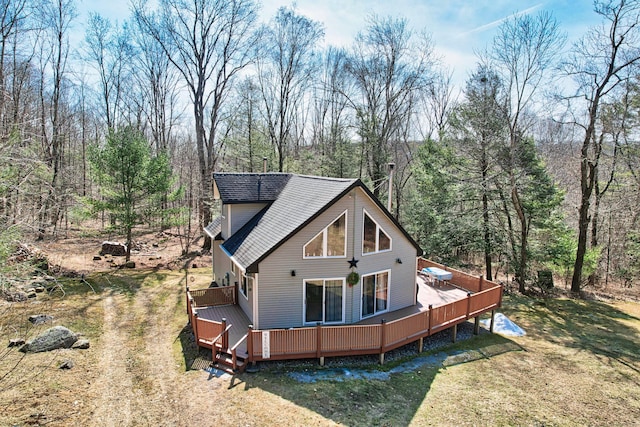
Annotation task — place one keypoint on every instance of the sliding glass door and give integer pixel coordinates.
(375, 293)
(324, 301)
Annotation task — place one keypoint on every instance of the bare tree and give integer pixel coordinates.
(285, 68)
(109, 49)
(389, 71)
(523, 52)
(331, 118)
(600, 62)
(209, 42)
(12, 14)
(55, 19)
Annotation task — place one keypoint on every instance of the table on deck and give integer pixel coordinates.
(435, 273)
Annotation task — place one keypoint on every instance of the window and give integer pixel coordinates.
(245, 284)
(324, 301)
(374, 239)
(375, 293)
(330, 242)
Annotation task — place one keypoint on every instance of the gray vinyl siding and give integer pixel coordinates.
(242, 213)
(246, 303)
(281, 294)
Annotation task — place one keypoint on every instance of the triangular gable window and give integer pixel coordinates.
(374, 238)
(330, 242)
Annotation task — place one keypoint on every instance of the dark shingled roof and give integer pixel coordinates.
(295, 200)
(214, 227)
(301, 199)
(250, 187)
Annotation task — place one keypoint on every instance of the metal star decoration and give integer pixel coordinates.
(353, 263)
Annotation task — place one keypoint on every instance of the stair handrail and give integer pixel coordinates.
(226, 330)
(234, 355)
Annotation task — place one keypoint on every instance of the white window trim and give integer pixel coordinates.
(243, 276)
(375, 273)
(325, 239)
(378, 228)
(304, 299)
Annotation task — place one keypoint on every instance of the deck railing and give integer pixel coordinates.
(210, 297)
(208, 333)
(328, 341)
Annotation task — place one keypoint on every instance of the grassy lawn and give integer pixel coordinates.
(579, 364)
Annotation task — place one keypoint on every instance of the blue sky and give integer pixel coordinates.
(458, 28)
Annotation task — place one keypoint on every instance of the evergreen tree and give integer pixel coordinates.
(132, 182)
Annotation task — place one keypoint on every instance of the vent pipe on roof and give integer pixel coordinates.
(264, 165)
(391, 166)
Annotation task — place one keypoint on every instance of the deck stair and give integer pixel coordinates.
(223, 360)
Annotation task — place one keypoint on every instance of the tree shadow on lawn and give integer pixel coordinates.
(366, 393)
(592, 326)
(124, 282)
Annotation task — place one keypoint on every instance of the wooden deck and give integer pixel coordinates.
(235, 317)
(439, 306)
(436, 295)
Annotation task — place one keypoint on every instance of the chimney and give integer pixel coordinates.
(391, 166)
(264, 165)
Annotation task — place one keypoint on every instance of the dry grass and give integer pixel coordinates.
(578, 365)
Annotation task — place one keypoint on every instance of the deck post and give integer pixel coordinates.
(420, 343)
(493, 318)
(225, 335)
(319, 343)
(454, 332)
(468, 304)
(481, 282)
(235, 294)
(250, 345)
(383, 325)
(429, 324)
(194, 327)
(476, 326)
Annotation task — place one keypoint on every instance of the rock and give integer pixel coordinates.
(39, 319)
(51, 339)
(31, 293)
(130, 264)
(81, 344)
(16, 342)
(67, 364)
(97, 258)
(113, 248)
(194, 265)
(39, 289)
(17, 296)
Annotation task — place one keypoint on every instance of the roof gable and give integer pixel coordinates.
(301, 200)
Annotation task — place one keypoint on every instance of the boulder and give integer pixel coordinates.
(16, 342)
(17, 296)
(67, 364)
(81, 344)
(113, 248)
(51, 339)
(39, 319)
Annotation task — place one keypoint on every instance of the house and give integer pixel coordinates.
(290, 241)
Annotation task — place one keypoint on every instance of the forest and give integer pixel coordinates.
(532, 166)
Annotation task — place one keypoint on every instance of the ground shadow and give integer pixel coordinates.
(365, 393)
(593, 326)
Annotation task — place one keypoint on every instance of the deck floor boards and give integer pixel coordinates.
(435, 294)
